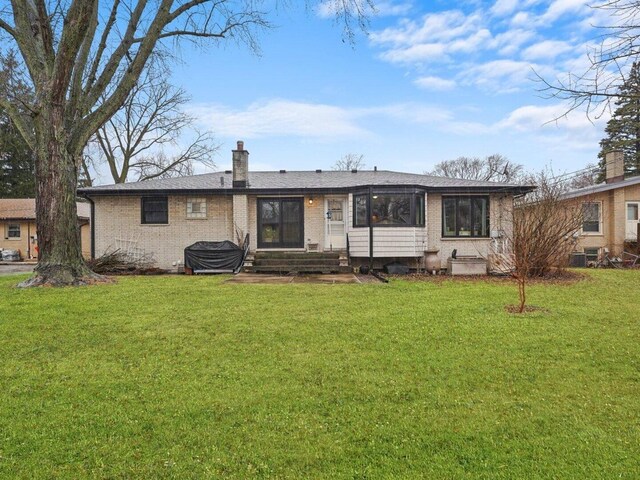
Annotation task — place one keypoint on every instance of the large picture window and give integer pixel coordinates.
(591, 217)
(388, 210)
(465, 216)
(155, 210)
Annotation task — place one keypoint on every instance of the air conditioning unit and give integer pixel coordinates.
(578, 260)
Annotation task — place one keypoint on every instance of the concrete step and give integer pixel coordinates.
(297, 255)
(296, 261)
(285, 269)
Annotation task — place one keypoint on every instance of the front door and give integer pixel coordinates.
(280, 223)
(335, 224)
(633, 214)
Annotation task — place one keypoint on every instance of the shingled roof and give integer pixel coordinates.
(25, 209)
(307, 181)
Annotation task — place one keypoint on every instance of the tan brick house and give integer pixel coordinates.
(611, 211)
(18, 227)
(368, 215)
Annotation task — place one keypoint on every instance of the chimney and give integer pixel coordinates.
(614, 166)
(240, 158)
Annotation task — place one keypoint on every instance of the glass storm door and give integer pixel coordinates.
(335, 230)
(280, 223)
(633, 211)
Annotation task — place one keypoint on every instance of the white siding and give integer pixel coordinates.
(387, 241)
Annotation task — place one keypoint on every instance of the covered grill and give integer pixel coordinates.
(215, 257)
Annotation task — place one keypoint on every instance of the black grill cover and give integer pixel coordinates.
(224, 255)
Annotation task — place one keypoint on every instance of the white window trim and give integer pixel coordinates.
(6, 232)
(600, 231)
(626, 207)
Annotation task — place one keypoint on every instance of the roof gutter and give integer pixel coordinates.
(515, 190)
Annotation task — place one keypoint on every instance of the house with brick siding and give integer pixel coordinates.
(18, 227)
(611, 211)
(369, 217)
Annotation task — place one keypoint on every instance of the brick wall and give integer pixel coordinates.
(500, 211)
(613, 219)
(118, 225)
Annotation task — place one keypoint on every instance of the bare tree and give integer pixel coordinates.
(494, 168)
(131, 142)
(81, 59)
(610, 62)
(350, 161)
(541, 236)
(586, 178)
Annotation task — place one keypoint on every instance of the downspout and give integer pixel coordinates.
(29, 239)
(92, 227)
(370, 203)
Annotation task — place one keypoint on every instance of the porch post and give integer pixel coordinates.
(370, 203)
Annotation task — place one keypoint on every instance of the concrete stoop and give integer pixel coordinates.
(295, 263)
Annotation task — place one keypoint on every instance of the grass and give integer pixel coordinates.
(187, 377)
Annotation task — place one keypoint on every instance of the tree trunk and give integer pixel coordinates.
(60, 259)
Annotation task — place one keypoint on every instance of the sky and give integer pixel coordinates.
(431, 81)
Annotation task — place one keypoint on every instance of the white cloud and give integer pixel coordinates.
(558, 8)
(435, 83)
(533, 117)
(388, 9)
(510, 41)
(279, 117)
(432, 28)
(416, 53)
(501, 75)
(546, 50)
(504, 7)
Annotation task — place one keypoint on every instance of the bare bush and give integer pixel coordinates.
(118, 262)
(543, 233)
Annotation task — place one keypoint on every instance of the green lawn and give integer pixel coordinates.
(187, 377)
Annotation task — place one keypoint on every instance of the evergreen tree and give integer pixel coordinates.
(17, 162)
(623, 130)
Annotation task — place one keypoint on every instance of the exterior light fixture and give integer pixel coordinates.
(310, 200)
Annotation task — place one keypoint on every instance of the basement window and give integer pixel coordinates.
(155, 210)
(196, 208)
(591, 255)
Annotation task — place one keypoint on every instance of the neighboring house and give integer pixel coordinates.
(379, 214)
(18, 226)
(611, 210)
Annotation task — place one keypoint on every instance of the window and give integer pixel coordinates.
(591, 254)
(360, 211)
(13, 230)
(155, 210)
(632, 211)
(465, 217)
(389, 210)
(280, 222)
(196, 208)
(591, 217)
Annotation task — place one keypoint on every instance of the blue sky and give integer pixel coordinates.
(430, 82)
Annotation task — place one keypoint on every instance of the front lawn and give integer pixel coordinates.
(188, 377)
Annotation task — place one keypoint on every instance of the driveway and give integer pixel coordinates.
(8, 268)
